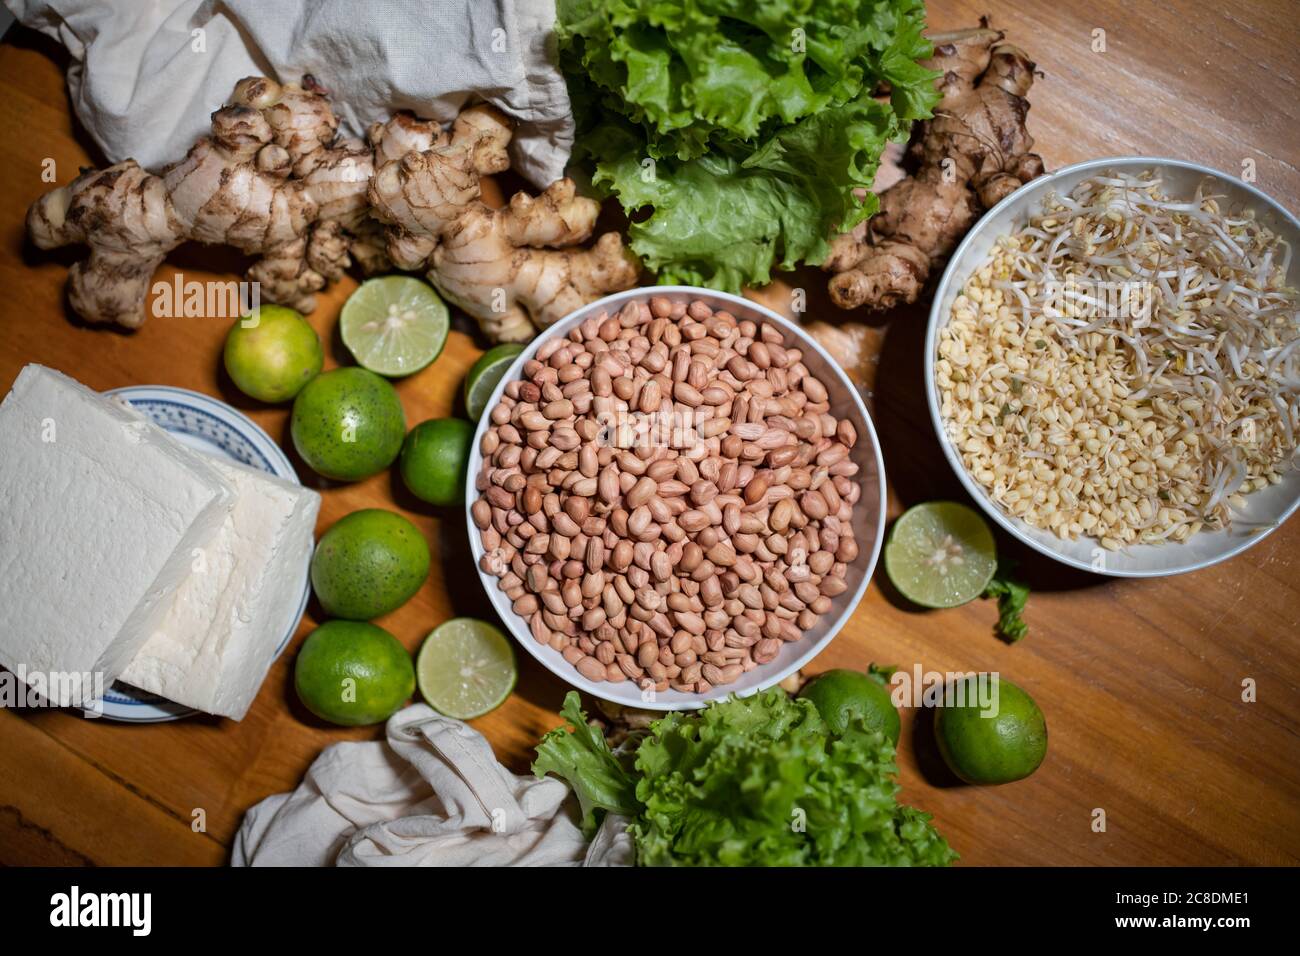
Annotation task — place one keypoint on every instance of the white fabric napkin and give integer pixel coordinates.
(433, 794)
(146, 76)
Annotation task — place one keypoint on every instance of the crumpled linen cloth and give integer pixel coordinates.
(146, 76)
(433, 794)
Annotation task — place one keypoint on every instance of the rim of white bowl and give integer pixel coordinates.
(551, 660)
(1017, 528)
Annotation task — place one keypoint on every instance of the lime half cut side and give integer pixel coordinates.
(466, 668)
(940, 554)
(485, 375)
(394, 325)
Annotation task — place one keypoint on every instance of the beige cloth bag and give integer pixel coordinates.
(433, 794)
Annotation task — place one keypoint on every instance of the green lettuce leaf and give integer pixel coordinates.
(724, 221)
(1012, 596)
(581, 757)
(737, 133)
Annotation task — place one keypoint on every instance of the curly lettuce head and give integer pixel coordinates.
(754, 781)
(745, 126)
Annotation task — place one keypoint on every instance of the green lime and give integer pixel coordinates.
(841, 695)
(348, 424)
(369, 563)
(353, 673)
(434, 460)
(940, 554)
(271, 353)
(485, 375)
(466, 668)
(394, 325)
(994, 733)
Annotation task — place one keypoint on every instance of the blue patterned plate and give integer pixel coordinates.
(202, 422)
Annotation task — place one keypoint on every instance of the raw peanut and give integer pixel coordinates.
(723, 555)
(537, 627)
(647, 654)
(595, 555)
(687, 394)
(650, 397)
(607, 485)
(756, 489)
(591, 668)
(832, 586)
(692, 555)
(638, 521)
(577, 508)
(814, 389)
(813, 505)
(621, 558)
(702, 492)
(642, 491)
(690, 622)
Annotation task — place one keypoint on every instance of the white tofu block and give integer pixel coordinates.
(101, 513)
(219, 636)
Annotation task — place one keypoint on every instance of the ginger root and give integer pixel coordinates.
(274, 180)
(269, 180)
(490, 262)
(974, 152)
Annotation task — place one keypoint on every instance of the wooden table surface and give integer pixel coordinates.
(1141, 681)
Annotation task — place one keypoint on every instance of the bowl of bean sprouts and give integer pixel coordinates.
(1113, 365)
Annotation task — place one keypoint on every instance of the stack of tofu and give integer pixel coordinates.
(127, 555)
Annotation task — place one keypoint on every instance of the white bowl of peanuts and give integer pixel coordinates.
(675, 495)
(1113, 365)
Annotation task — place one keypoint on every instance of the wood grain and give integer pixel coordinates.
(1141, 681)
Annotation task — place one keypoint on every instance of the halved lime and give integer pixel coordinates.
(466, 668)
(940, 554)
(485, 374)
(394, 325)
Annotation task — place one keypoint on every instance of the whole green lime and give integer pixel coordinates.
(353, 673)
(993, 733)
(369, 563)
(434, 460)
(841, 695)
(348, 424)
(272, 352)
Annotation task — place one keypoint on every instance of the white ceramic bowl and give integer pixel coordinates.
(868, 513)
(1266, 509)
